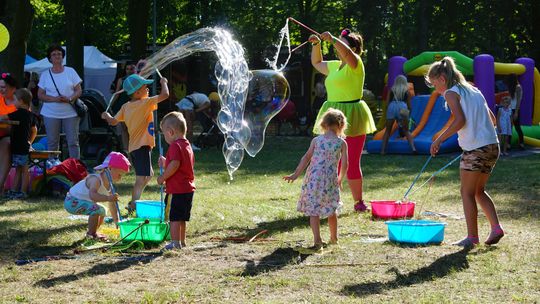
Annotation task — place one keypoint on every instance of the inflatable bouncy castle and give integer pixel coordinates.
(430, 114)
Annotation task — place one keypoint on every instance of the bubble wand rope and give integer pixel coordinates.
(113, 100)
(305, 26)
(437, 172)
(417, 176)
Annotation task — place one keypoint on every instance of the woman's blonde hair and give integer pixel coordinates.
(174, 120)
(400, 88)
(334, 118)
(447, 68)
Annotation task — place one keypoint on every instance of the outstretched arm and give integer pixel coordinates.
(345, 52)
(316, 55)
(110, 120)
(164, 94)
(304, 162)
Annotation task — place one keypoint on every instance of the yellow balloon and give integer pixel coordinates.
(4, 37)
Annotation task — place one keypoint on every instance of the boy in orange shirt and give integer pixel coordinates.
(139, 119)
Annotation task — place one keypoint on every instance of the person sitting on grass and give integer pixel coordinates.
(83, 197)
(22, 136)
(139, 119)
(320, 196)
(178, 177)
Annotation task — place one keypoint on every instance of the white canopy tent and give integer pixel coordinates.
(99, 70)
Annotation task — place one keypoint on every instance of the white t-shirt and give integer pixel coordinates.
(478, 130)
(66, 83)
(198, 100)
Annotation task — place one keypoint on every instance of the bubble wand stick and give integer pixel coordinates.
(161, 216)
(305, 26)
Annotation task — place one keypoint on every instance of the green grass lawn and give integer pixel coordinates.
(362, 268)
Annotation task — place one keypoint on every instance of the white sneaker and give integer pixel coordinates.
(195, 148)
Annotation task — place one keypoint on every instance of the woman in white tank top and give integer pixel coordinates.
(474, 123)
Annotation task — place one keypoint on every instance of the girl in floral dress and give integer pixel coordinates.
(322, 183)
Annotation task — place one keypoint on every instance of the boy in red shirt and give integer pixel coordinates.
(178, 177)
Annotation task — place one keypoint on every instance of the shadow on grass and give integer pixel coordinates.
(12, 239)
(440, 268)
(273, 227)
(278, 259)
(96, 270)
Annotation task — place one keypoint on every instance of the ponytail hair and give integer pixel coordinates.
(511, 83)
(447, 68)
(355, 40)
(400, 88)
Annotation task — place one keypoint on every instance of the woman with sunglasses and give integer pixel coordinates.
(344, 85)
(8, 86)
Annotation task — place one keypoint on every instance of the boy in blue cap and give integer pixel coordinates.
(139, 119)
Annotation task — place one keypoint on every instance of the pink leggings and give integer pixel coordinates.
(355, 146)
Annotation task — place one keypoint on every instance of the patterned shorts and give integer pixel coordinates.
(482, 159)
(83, 207)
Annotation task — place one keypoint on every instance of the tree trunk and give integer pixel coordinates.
(17, 16)
(138, 16)
(74, 36)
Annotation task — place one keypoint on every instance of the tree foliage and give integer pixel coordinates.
(506, 29)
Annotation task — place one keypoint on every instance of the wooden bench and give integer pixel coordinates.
(39, 159)
(5, 123)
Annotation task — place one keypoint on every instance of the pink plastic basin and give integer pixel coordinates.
(392, 209)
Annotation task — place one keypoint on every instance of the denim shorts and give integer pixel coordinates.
(397, 110)
(19, 160)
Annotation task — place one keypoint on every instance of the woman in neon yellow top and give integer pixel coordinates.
(345, 85)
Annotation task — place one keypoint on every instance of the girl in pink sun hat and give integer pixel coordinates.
(84, 197)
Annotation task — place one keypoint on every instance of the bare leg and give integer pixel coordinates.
(332, 223)
(405, 124)
(315, 224)
(16, 184)
(93, 223)
(183, 233)
(24, 177)
(386, 136)
(487, 205)
(138, 188)
(469, 180)
(176, 231)
(356, 189)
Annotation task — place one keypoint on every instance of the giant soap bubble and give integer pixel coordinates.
(267, 94)
(242, 122)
